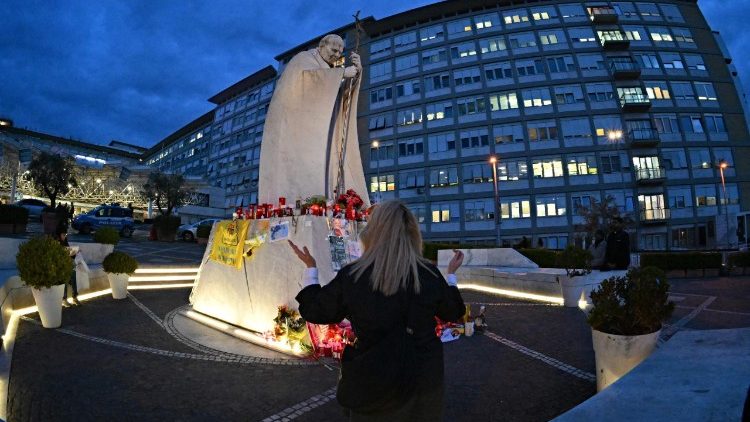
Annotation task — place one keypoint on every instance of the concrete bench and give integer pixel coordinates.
(507, 269)
(695, 376)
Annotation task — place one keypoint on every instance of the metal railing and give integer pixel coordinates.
(622, 66)
(650, 174)
(656, 214)
(636, 135)
(634, 99)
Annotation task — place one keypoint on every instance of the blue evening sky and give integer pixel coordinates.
(138, 70)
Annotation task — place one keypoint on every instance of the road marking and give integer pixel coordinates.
(147, 311)
(669, 331)
(303, 407)
(512, 304)
(211, 357)
(716, 310)
(572, 370)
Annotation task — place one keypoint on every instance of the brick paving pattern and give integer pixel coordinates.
(123, 360)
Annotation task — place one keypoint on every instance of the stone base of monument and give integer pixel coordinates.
(246, 300)
(221, 337)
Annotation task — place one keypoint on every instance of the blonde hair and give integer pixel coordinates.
(392, 247)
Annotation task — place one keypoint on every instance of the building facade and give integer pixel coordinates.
(576, 102)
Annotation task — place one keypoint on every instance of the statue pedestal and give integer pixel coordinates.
(249, 297)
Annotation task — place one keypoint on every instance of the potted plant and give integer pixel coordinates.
(626, 321)
(203, 232)
(45, 266)
(107, 236)
(167, 193)
(52, 175)
(119, 266)
(13, 219)
(577, 263)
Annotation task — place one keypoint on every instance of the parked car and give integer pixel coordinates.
(188, 232)
(35, 207)
(114, 216)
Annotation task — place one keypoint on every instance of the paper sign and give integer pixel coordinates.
(279, 231)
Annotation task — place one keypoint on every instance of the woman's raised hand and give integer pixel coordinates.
(304, 255)
(456, 261)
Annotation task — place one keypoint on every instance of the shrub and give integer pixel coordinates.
(119, 262)
(43, 262)
(544, 258)
(13, 214)
(576, 261)
(668, 261)
(635, 304)
(739, 259)
(107, 235)
(203, 231)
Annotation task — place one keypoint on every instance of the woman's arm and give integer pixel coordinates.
(451, 306)
(319, 305)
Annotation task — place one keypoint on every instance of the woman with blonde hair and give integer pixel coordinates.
(389, 287)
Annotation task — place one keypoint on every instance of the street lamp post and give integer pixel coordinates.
(493, 161)
(615, 137)
(376, 145)
(723, 165)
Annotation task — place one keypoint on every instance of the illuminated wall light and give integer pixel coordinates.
(161, 286)
(166, 270)
(162, 278)
(512, 293)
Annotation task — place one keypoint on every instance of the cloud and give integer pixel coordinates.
(138, 70)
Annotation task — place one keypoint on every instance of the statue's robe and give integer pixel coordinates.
(303, 133)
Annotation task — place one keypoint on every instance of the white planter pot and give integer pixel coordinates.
(572, 290)
(49, 302)
(617, 355)
(119, 284)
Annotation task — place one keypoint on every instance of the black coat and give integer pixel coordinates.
(372, 315)
(618, 250)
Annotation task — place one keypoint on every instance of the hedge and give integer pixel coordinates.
(684, 261)
(544, 258)
(739, 259)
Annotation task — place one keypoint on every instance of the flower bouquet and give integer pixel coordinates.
(291, 328)
(352, 203)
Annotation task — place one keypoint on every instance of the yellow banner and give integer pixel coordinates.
(229, 241)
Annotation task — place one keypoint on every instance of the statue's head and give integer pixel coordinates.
(331, 48)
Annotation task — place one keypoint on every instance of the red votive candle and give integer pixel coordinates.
(282, 202)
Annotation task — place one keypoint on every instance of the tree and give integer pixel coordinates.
(165, 191)
(52, 175)
(600, 215)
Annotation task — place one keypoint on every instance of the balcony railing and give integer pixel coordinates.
(604, 15)
(653, 175)
(634, 102)
(622, 70)
(643, 137)
(614, 41)
(655, 216)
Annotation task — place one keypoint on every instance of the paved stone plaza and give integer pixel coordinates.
(121, 360)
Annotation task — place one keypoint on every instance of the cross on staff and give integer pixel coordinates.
(340, 182)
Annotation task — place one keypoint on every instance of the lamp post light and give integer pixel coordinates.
(493, 162)
(376, 145)
(722, 166)
(615, 137)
